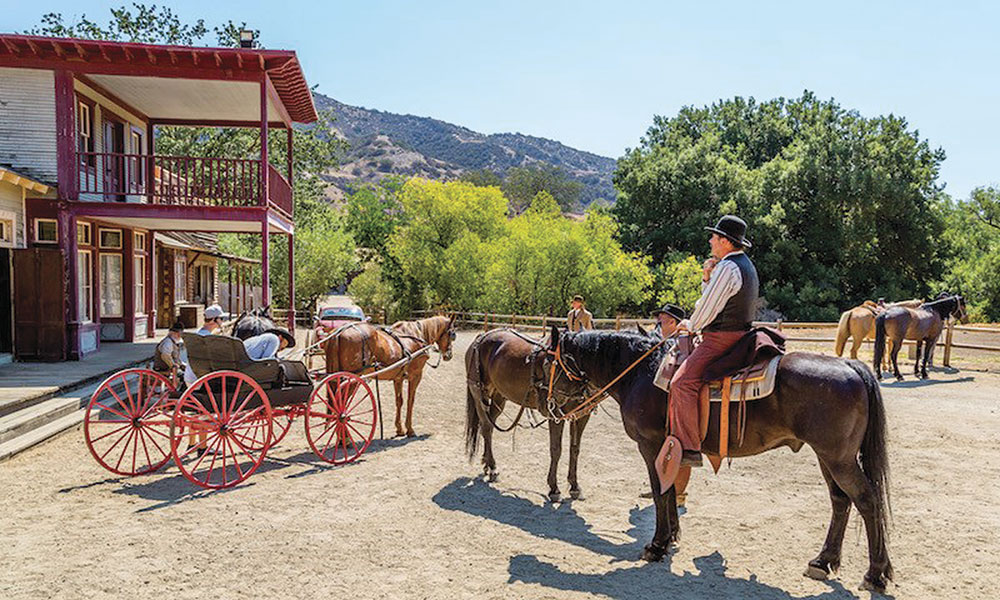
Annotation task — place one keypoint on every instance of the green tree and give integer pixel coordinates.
(680, 283)
(522, 184)
(985, 205)
(841, 207)
(974, 261)
(482, 178)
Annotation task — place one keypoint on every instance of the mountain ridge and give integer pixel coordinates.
(384, 143)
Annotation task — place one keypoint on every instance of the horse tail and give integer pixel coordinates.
(472, 399)
(874, 456)
(879, 342)
(843, 330)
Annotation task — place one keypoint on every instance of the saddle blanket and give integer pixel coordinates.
(758, 383)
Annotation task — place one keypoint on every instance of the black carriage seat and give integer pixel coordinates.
(225, 353)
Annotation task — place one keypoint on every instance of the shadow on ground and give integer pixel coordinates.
(910, 382)
(656, 580)
(548, 521)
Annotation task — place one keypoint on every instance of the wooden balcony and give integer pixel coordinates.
(181, 180)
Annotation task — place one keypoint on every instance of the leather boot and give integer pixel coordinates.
(691, 458)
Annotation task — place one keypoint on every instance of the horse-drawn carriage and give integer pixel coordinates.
(219, 429)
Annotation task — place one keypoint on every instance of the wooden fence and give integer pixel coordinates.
(487, 321)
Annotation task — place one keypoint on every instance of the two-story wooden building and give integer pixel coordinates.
(78, 128)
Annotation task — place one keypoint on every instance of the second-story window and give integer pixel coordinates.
(85, 132)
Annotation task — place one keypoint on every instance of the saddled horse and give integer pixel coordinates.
(858, 324)
(923, 324)
(503, 366)
(834, 405)
(253, 322)
(364, 348)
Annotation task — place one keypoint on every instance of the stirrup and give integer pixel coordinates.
(668, 463)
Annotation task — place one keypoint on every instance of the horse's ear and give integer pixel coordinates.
(553, 338)
(642, 331)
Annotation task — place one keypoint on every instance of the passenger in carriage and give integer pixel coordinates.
(268, 344)
(167, 359)
(212, 325)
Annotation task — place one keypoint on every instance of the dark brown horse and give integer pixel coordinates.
(834, 405)
(363, 348)
(505, 366)
(923, 324)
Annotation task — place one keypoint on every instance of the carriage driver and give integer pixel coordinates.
(722, 315)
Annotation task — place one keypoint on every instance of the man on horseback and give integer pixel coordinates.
(722, 315)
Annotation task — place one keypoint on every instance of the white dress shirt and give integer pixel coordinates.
(722, 285)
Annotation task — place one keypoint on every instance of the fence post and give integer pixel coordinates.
(486, 321)
(545, 322)
(618, 322)
(780, 321)
(513, 321)
(947, 344)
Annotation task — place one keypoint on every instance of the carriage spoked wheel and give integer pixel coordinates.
(222, 428)
(127, 423)
(280, 424)
(340, 418)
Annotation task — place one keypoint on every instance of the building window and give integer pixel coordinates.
(111, 285)
(111, 239)
(140, 284)
(135, 161)
(140, 242)
(83, 234)
(6, 232)
(84, 275)
(85, 132)
(46, 231)
(180, 278)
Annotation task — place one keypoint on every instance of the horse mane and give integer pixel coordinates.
(608, 353)
(943, 307)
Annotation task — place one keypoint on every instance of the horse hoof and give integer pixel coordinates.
(492, 476)
(872, 586)
(555, 496)
(652, 553)
(899, 377)
(814, 572)
(410, 434)
(576, 494)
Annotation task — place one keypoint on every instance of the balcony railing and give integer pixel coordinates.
(188, 180)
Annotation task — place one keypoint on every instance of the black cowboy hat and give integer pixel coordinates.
(177, 326)
(671, 309)
(283, 333)
(734, 228)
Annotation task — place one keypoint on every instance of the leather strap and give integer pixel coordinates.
(727, 384)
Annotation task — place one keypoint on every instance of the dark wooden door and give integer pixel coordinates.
(6, 304)
(115, 161)
(39, 302)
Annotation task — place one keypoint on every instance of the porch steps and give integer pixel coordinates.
(35, 424)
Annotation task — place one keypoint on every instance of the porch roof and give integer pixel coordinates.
(182, 83)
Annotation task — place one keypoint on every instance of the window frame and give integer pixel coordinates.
(89, 228)
(85, 287)
(180, 291)
(139, 276)
(100, 238)
(86, 142)
(38, 221)
(121, 281)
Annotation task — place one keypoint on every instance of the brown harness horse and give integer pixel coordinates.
(503, 365)
(834, 405)
(923, 324)
(363, 348)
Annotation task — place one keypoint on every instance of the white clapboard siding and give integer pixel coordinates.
(28, 122)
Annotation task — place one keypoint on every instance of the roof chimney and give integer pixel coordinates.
(246, 38)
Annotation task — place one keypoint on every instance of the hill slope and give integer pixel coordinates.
(384, 143)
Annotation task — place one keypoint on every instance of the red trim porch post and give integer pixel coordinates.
(265, 264)
(291, 283)
(150, 284)
(150, 165)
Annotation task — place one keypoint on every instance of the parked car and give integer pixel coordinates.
(332, 317)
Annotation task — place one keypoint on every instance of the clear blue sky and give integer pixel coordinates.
(593, 74)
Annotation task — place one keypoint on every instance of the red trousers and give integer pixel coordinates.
(687, 381)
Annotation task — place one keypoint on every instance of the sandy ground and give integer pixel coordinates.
(413, 520)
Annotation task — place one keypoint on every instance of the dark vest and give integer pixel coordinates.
(739, 311)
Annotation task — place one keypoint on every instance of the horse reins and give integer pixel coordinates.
(588, 405)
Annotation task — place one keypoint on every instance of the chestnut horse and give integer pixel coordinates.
(832, 404)
(923, 324)
(503, 365)
(363, 348)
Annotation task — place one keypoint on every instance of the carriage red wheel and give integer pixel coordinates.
(280, 424)
(340, 418)
(227, 420)
(127, 422)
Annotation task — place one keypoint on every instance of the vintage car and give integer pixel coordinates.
(332, 317)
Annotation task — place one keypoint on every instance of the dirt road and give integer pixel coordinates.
(413, 520)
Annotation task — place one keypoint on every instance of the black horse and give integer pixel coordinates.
(923, 324)
(834, 405)
(253, 322)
